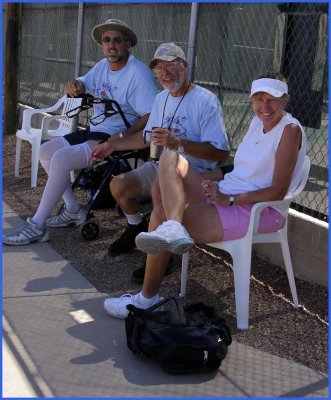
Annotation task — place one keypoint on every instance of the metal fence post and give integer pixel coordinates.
(80, 29)
(79, 41)
(192, 40)
(10, 104)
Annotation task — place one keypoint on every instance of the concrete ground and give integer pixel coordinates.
(58, 342)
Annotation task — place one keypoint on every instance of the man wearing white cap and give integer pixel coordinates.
(185, 117)
(119, 76)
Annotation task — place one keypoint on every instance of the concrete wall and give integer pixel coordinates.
(308, 241)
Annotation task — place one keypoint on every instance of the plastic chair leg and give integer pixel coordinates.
(289, 271)
(242, 273)
(34, 163)
(183, 279)
(18, 156)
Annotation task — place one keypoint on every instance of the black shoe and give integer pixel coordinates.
(126, 242)
(138, 274)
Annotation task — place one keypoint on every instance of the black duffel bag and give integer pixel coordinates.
(183, 339)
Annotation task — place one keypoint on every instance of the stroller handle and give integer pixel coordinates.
(89, 100)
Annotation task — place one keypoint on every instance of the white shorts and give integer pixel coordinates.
(147, 173)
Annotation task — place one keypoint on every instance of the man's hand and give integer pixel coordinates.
(163, 137)
(101, 151)
(74, 88)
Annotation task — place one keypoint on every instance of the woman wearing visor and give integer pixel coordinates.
(267, 165)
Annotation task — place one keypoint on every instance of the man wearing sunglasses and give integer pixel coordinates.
(184, 117)
(119, 76)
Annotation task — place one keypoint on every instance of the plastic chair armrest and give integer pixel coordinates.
(28, 113)
(257, 209)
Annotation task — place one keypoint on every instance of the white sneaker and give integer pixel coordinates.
(66, 218)
(116, 306)
(28, 233)
(170, 236)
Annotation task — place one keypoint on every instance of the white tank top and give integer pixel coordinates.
(254, 161)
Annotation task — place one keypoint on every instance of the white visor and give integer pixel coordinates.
(274, 87)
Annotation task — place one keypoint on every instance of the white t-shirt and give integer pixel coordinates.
(254, 161)
(197, 117)
(133, 87)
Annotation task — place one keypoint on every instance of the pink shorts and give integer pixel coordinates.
(235, 220)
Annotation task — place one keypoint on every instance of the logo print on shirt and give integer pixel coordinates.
(106, 91)
(176, 127)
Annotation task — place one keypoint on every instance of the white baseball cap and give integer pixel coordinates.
(167, 52)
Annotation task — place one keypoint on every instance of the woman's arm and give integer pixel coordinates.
(286, 158)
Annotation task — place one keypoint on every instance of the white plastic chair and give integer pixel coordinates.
(241, 251)
(35, 135)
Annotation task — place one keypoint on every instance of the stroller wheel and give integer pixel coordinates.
(89, 230)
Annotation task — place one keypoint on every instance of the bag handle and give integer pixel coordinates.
(135, 336)
(177, 313)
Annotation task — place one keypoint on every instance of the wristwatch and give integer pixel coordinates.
(180, 148)
(231, 200)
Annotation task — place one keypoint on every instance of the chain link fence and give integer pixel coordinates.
(234, 43)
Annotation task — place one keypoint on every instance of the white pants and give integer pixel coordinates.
(59, 158)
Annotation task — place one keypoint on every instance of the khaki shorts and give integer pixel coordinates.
(147, 173)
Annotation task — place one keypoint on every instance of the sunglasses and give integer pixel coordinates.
(170, 67)
(114, 39)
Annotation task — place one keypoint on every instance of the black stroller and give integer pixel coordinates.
(95, 179)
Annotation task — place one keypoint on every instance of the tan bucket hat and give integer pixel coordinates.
(116, 25)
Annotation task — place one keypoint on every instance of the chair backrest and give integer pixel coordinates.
(284, 204)
(303, 180)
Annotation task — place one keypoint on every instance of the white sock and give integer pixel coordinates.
(147, 301)
(133, 219)
(175, 222)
